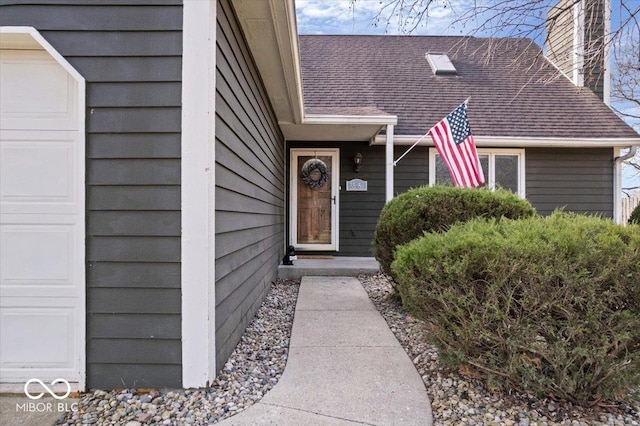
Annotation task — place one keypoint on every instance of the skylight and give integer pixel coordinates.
(441, 64)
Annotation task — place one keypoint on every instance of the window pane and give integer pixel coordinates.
(507, 172)
(484, 162)
(443, 177)
(442, 173)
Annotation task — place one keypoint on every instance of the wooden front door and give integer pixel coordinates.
(314, 199)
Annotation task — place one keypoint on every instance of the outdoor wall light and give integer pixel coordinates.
(357, 162)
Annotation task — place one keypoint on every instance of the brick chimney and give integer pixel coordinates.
(577, 43)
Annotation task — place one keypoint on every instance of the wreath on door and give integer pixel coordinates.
(314, 173)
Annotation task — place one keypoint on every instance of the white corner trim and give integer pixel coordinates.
(389, 163)
(80, 269)
(617, 186)
(197, 189)
(606, 95)
(578, 43)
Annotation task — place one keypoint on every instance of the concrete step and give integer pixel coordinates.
(338, 266)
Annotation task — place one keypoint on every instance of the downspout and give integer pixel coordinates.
(617, 182)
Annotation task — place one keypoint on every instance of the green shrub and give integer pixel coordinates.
(549, 306)
(635, 216)
(435, 209)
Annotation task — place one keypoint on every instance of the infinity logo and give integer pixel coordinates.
(47, 388)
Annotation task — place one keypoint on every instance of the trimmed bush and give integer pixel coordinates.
(434, 209)
(635, 216)
(549, 306)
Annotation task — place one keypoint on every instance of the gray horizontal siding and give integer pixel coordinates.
(130, 55)
(145, 375)
(139, 145)
(136, 94)
(133, 198)
(135, 223)
(134, 171)
(249, 187)
(134, 275)
(133, 249)
(105, 300)
(121, 43)
(578, 180)
(117, 69)
(134, 120)
(148, 326)
(93, 16)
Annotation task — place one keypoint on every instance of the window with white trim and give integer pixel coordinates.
(503, 168)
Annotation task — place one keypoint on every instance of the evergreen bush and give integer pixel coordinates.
(435, 209)
(549, 306)
(635, 216)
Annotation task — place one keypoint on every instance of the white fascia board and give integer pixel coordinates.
(523, 142)
(382, 120)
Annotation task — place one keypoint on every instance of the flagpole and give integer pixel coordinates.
(412, 146)
(466, 102)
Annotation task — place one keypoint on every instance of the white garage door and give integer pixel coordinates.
(41, 220)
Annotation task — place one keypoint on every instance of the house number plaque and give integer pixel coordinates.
(357, 185)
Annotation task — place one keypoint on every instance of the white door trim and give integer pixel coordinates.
(293, 199)
(19, 37)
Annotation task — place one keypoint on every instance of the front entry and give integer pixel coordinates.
(314, 199)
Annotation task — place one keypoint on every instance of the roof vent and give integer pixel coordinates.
(441, 64)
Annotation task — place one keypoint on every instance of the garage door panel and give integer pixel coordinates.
(30, 338)
(42, 218)
(40, 261)
(37, 93)
(37, 176)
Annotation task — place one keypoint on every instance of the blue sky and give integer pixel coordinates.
(362, 17)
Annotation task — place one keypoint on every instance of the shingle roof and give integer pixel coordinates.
(527, 97)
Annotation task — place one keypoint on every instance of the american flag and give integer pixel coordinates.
(454, 142)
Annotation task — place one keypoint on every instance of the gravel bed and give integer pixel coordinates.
(253, 368)
(458, 399)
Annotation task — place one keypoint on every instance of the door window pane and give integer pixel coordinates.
(314, 203)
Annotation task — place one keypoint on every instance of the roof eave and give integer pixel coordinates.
(523, 142)
(272, 36)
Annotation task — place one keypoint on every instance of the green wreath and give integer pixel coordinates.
(314, 173)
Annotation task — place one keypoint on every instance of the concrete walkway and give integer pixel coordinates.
(345, 366)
